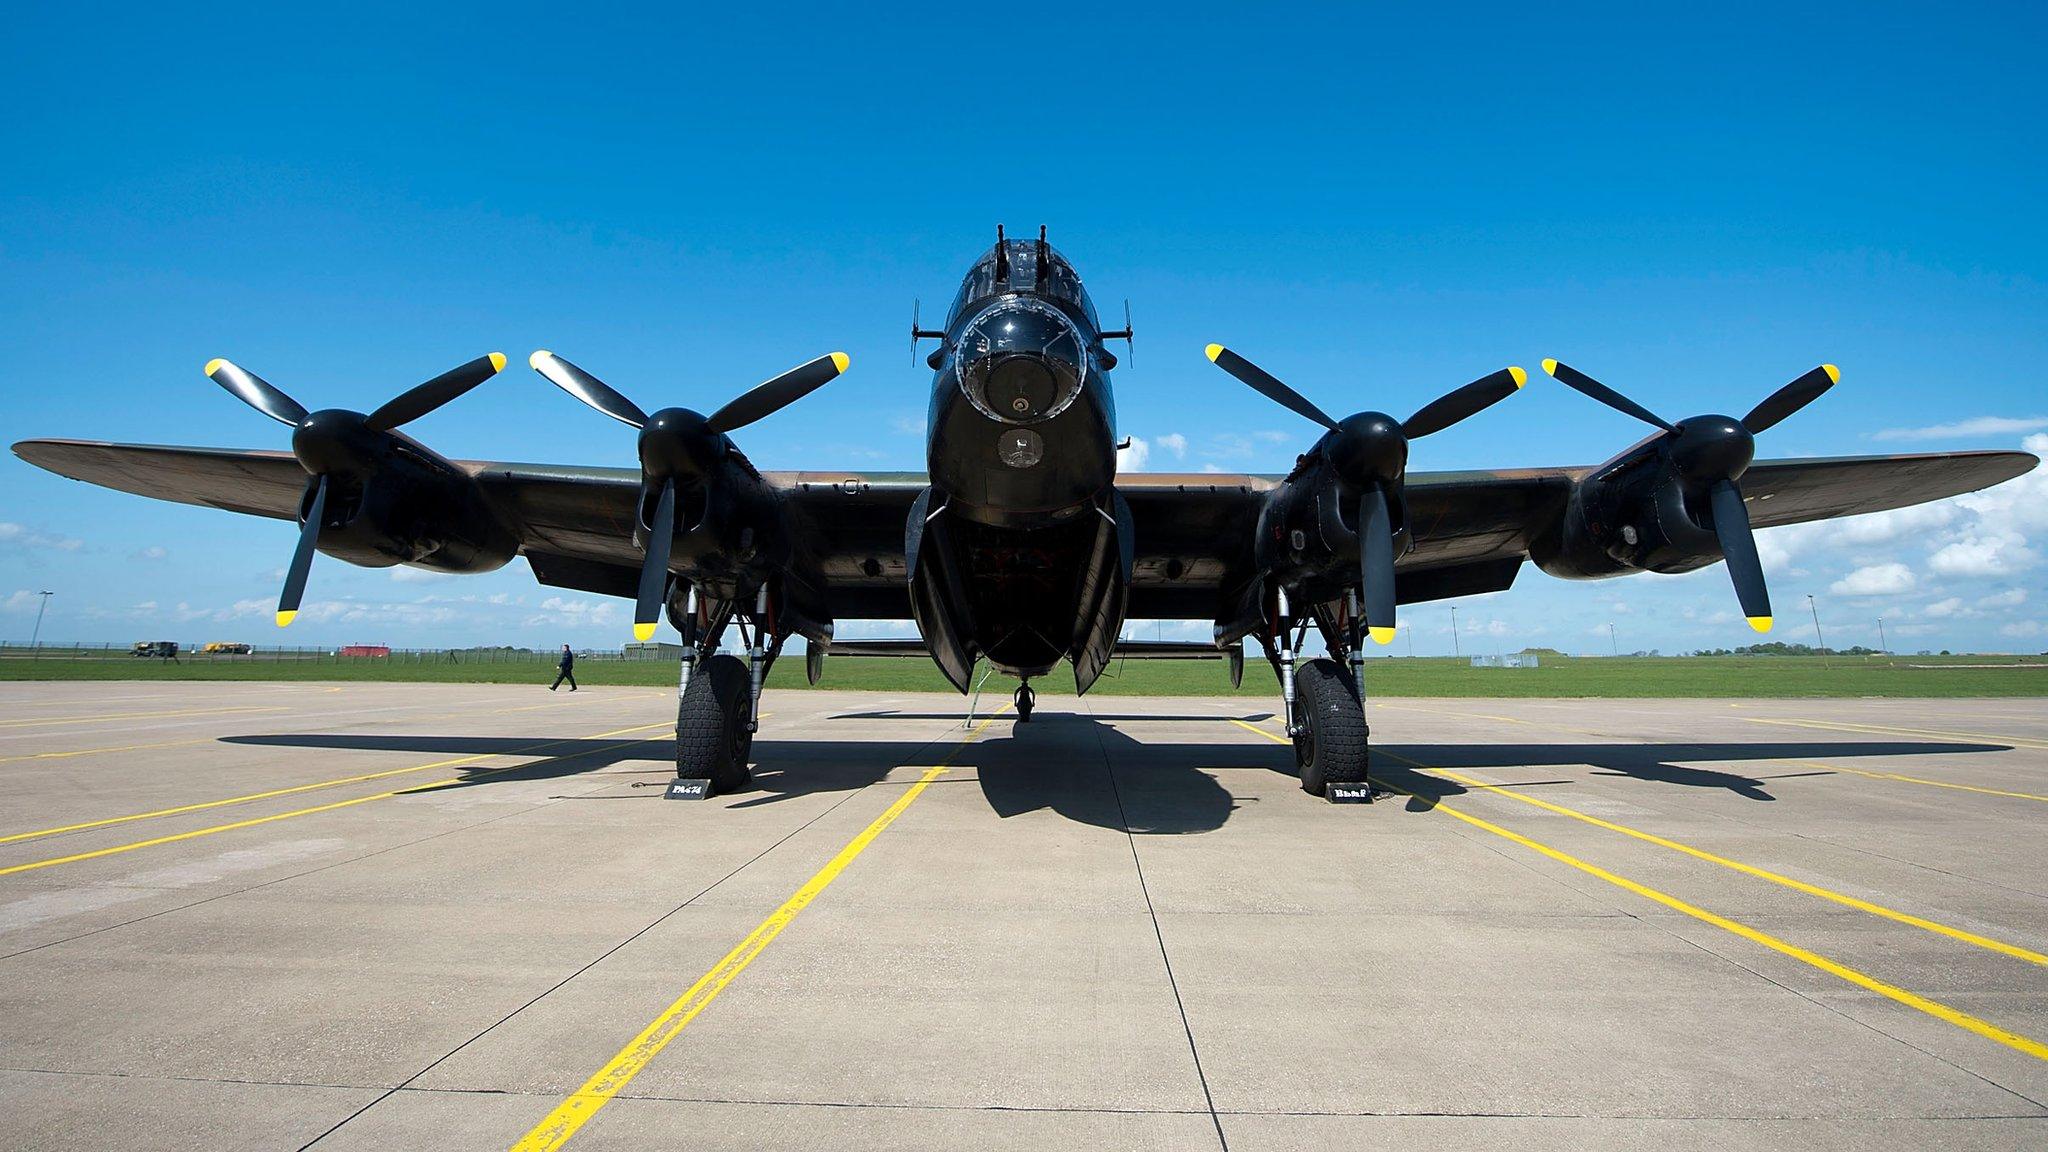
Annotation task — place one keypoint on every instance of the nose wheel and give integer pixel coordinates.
(1024, 699)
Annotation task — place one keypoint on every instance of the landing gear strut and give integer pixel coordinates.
(1025, 700)
(1325, 711)
(719, 695)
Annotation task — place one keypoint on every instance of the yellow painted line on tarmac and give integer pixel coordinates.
(1892, 992)
(414, 789)
(1847, 901)
(91, 751)
(1923, 780)
(576, 1110)
(1895, 776)
(1886, 730)
(66, 754)
(141, 715)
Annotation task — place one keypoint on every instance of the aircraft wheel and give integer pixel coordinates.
(1025, 700)
(1331, 747)
(712, 741)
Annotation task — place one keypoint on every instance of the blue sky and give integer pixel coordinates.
(1376, 206)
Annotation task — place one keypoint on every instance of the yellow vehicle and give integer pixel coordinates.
(225, 648)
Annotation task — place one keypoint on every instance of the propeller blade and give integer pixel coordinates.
(1791, 398)
(424, 398)
(768, 398)
(302, 557)
(1578, 381)
(1473, 398)
(654, 570)
(1266, 384)
(1738, 547)
(587, 388)
(256, 392)
(1376, 563)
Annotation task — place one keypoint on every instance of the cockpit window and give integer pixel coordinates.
(1061, 282)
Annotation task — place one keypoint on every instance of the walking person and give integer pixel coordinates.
(565, 669)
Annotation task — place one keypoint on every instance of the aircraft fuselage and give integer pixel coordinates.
(1024, 545)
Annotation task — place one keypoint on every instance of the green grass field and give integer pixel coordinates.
(1627, 676)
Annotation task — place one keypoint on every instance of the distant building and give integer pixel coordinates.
(654, 651)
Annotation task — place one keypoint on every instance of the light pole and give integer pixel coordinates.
(1613, 639)
(1817, 638)
(1454, 633)
(1881, 645)
(36, 636)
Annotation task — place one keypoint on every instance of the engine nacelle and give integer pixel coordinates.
(409, 512)
(1308, 534)
(732, 533)
(1635, 517)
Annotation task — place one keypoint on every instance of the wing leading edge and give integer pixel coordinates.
(1470, 530)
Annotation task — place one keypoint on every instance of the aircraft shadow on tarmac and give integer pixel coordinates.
(1159, 788)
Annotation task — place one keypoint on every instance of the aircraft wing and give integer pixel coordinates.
(239, 480)
(1795, 491)
(1470, 530)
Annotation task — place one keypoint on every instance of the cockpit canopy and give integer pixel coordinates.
(1060, 281)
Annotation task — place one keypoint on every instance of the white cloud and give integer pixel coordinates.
(1132, 458)
(1875, 580)
(1942, 609)
(2004, 555)
(1211, 469)
(2023, 629)
(1976, 426)
(573, 612)
(908, 425)
(1175, 443)
(2010, 598)
(153, 552)
(20, 536)
(406, 574)
(21, 601)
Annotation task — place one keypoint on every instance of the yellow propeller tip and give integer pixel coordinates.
(1520, 377)
(1834, 373)
(213, 365)
(497, 361)
(840, 360)
(643, 632)
(534, 361)
(284, 619)
(1382, 635)
(1760, 623)
(1212, 352)
(1549, 366)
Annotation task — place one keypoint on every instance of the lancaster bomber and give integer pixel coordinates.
(1021, 545)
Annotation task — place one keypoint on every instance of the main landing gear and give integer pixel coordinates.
(1024, 699)
(719, 695)
(1325, 710)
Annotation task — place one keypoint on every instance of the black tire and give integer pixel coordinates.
(712, 741)
(1332, 746)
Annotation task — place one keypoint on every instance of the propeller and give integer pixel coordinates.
(1711, 453)
(1369, 453)
(680, 446)
(337, 442)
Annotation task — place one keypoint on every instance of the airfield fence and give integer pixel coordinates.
(283, 654)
